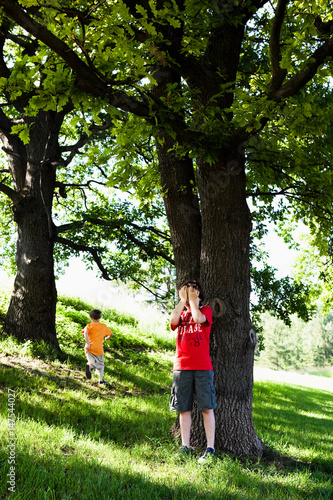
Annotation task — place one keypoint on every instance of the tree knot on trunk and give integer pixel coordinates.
(253, 336)
(219, 308)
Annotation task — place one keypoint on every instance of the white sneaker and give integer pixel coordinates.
(207, 457)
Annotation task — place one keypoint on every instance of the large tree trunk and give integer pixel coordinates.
(225, 265)
(182, 209)
(31, 313)
(225, 275)
(179, 194)
(211, 243)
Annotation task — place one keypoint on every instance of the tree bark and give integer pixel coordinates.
(31, 312)
(182, 209)
(179, 192)
(211, 243)
(225, 276)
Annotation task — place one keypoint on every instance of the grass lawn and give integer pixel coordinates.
(77, 440)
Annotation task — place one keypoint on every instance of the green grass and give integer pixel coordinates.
(76, 440)
(321, 372)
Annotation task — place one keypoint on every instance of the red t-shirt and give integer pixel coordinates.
(192, 345)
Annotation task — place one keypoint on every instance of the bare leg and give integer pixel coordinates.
(185, 420)
(209, 424)
(101, 373)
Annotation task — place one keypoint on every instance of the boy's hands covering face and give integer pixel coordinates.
(188, 292)
(193, 293)
(183, 293)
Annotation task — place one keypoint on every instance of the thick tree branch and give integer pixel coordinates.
(5, 124)
(28, 159)
(9, 192)
(278, 74)
(84, 248)
(74, 149)
(324, 28)
(100, 222)
(29, 46)
(4, 70)
(197, 69)
(86, 79)
(289, 89)
(151, 252)
(306, 73)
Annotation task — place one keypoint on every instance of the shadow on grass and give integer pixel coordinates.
(70, 473)
(282, 414)
(119, 365)
(148, 378)
(298, 418)
(89, 409)
(79, 477)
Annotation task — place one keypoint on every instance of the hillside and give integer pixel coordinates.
(64, 437)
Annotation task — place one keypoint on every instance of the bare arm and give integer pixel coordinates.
(87, 346)
(197, 315)
(175, 315)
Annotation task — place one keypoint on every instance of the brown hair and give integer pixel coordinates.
(195, 285)
(95, 314)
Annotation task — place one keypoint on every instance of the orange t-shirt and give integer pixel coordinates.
(96, 334)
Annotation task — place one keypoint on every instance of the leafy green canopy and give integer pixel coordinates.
(127, 239)
(277, 106)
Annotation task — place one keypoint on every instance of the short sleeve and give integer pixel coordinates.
(107, 331)
(207, 311)
(174, 327)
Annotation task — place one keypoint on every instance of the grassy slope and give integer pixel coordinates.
(76, 440)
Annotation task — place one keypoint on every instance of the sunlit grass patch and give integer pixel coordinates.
(296, 421)
(73, 436)
(77, 440)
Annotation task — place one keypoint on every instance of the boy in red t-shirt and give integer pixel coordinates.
(193, 370)
(94, 334)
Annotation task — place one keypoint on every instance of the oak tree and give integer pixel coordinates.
(55, 184)
(227, 88)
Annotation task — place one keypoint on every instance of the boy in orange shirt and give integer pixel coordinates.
(94, 334)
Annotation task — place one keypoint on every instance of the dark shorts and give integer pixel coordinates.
(188, 382)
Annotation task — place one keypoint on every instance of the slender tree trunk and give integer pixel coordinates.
(31, 312)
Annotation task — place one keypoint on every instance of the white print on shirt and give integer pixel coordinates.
(190, 332)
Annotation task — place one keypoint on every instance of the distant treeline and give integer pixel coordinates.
(298, 346)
